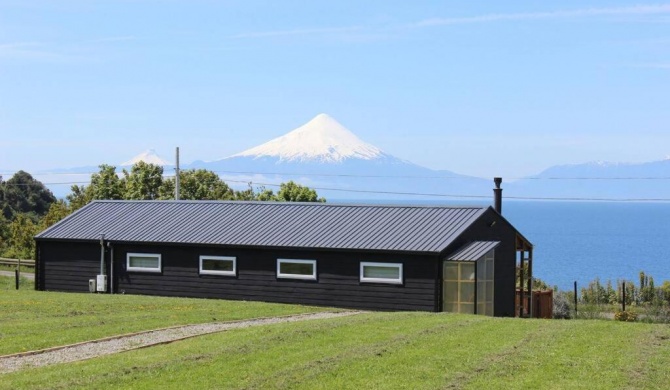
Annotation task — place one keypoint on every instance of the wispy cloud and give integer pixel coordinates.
(54, 51)
(306, 31)
(654, 65)
(638, 10)
(29, 50)
(113, 39)
(16, 45)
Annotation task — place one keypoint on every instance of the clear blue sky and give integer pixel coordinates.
(480, 88)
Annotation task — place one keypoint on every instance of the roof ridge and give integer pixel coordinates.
(288, 204)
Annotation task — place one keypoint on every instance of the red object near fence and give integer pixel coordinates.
(543, 303)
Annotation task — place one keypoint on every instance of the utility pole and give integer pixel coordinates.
(176, 177)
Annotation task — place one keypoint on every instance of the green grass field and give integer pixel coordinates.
(367, 351)
(32, 320)
(11, 268)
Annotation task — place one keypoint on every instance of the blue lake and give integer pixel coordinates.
(580, 241)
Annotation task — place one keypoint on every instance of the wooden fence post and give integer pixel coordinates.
(575, 298)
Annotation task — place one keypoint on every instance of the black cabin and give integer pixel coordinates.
(430, 258)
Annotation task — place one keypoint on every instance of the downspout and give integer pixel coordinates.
(102, 254)
(111, 267)
(100, 282)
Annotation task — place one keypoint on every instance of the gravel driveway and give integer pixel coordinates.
(26, 275)
(91, 349)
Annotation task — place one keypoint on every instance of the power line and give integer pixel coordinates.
(468, 196)
(347, 175)
(438, 177)
(438, 195)
(369, 191)
(593, 178)
(386, 176)
(46, 184)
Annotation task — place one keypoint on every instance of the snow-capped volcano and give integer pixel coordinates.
(323, 139)
(324, 155)
(148, 156)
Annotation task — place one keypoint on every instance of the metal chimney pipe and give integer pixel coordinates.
(497, 195)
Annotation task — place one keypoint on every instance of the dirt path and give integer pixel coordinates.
(95, 348)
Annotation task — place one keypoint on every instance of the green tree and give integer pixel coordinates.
(293, 192)
(23, 194)
(57, 211)
(106, 184)
(610, 293)
(647, 291)
(197, 184)
(595, 293)
(631, 291)
(538, 284)
(21, 243)
(143, 182)
(265, 195)
(78, 197)
(247, 194)
(665, 291)
(4, 233)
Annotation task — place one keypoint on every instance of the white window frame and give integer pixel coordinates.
(213, 272)
(144, 269)
(296, 276)
(364, 279)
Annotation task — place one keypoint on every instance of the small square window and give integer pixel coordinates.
(218, 265)
(381, 273)
(296, 269)
(143, 262)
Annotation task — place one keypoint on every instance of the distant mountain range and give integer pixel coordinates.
(649, 180)
(148, 156)
(325, 155)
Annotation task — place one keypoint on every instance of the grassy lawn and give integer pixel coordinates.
(32, 320)
(386, 351)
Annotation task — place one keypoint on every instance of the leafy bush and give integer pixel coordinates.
(656, 313)
(562, 307)
(625, 315)
(592, 312)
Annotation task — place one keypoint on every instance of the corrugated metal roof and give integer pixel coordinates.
(274, 224)
(473, 251)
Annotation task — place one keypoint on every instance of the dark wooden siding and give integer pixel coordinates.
(67, 266)
(505, 257)
(337, 278)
